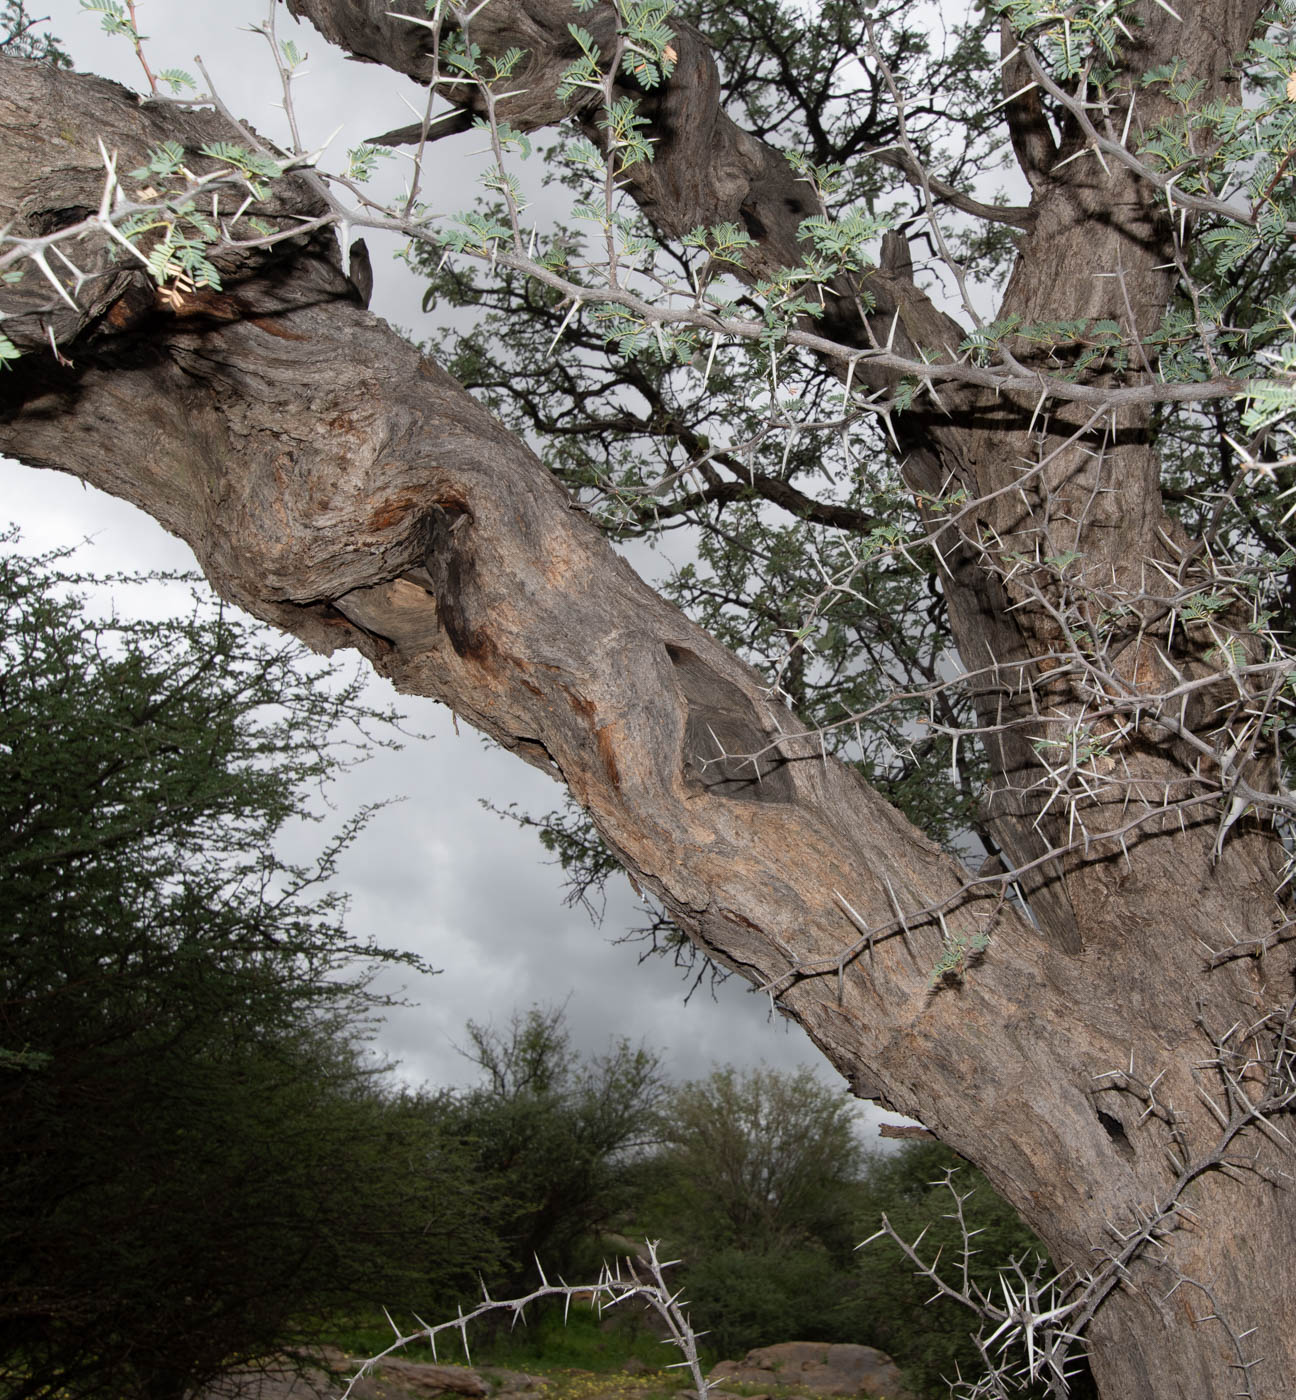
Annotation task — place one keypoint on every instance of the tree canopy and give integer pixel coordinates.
(755, 1187)
(759, 1154)
(198, 1160)
(989, 490)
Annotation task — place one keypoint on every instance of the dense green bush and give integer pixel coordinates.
(195, 1154)
(753, 1296)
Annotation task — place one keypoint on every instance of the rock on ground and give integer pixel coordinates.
(790, 1371)
(392, 1379)
(817, 1368)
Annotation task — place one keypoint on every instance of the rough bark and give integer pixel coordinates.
(1095, 248)
(337, 484)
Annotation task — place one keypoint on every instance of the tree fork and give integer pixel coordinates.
(1076, 261)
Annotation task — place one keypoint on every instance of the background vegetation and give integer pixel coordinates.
(196, 1150)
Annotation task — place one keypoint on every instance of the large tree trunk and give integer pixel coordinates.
(1103, 1069)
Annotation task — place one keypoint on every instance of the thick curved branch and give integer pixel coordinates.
(1016, 215)
(336, 483)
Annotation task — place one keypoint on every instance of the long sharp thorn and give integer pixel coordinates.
(567, 320)
(38, 258)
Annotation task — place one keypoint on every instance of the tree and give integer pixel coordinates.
(759, 1155)
(22, 36)
(756, 1189)
(1114, 1046)
(551, 1137)
(197, 1162)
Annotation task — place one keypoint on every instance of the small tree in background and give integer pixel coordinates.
(755, 1188)
(22, 35)
(760, 1155)
(555, 1137)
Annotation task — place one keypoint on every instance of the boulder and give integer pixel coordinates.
(423, 1379)
(394, 1378)
(817, 1368)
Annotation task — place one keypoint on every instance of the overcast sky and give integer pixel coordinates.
(437, 873)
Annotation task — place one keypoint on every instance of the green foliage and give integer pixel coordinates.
(758, 1156)
(957, 952)
(177, 79)
(508, 136)
(827, 181)
(625, 126)
(754, 1187)
(801, 558)
(763, 1294)
(762, 1188)
(163, 162)
(22, 37)
(547, 1342)
(1238, 318)
(1271, 403)
(584, 72)
(363, 160)
(798, 555)
(476, 233)
(551, 1136)
(644, 48)
(460, 55)
(1245, 148)
(196, 1154)
(114, 18)
(1075, 347)
(256, 168)
(186, 232)
(842, 241)
(758, 1181)
(720, 242)
(1074, 37)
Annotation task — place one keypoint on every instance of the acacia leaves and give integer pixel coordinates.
(1075, 38)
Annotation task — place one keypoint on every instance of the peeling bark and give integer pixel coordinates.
(337, 484)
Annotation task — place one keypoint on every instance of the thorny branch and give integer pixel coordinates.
(1035, 1333)
(618, 1284)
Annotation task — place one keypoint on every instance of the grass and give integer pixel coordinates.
(541, 1346)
